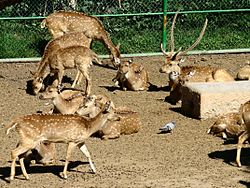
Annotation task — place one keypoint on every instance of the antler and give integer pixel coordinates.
(197, 40)
(171, 38)
(172, 34)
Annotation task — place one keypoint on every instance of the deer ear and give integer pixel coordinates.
(139, 69)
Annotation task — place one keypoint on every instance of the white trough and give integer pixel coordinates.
(204, 100)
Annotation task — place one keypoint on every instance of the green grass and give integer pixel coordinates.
(23, 39)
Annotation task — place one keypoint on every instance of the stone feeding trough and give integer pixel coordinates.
(202, 100)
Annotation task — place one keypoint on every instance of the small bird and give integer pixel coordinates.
(168, 127)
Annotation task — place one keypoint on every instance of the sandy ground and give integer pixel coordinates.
(186, 158)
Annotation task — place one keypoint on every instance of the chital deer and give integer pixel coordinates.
(227, 126)
(56, 128)
(132, 76)
(67, 40)
(173, 62)
(245, 116)
(244, 72)
(65, 102)
(78, 57)
(128, 123)
(61, 22)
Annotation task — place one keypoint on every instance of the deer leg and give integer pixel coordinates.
(85, 151)
(60, 77)
(76, 79)
(14, 155)
(69, 151)
(242, 139)
(88, 81)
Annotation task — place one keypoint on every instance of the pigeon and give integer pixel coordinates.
(168, 127)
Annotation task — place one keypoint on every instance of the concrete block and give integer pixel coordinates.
(204, 100)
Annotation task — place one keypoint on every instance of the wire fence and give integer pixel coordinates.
(136, 25)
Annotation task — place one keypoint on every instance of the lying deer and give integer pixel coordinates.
(245, 117)
(65, 102)
(227, 126)
(61, 22)
(128, 123)
(79, 57)
(173, 62)
(244, 73)
(67, 40)
(56, 128)
(132, 76)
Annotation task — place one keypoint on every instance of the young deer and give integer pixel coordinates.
(56, 128)
(172, 62)
(61, 22)
(245, 118)
(79, 57)
(128, 123)
(132, 76)
(65, 102)
(67, 40)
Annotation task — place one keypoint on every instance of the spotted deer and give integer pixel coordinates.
(79, 57)
(131, 76)
(56, 128)
(245, 118)
(227, 126)
(61, 22)
(129, 122)
(67, 101)
(199, 73)
(67, 40)
(244, 72)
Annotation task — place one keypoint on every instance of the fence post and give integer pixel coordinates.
(164, 31)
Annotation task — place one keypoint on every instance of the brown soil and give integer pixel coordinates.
(188, 157)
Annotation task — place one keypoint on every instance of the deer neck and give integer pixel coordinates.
(96, 123)
(60, 103)
(110, 45)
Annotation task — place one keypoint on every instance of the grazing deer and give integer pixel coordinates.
(128, 123)
(67, 40)
(227, 126)
(245, 118)
(132, 76)
(61, 22)
(199, 73)
(79, 57)
(244, 72)
(65, 102)
(56, 128)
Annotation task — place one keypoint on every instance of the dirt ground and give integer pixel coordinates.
(188, 157)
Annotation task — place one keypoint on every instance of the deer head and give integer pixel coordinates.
(173, 60)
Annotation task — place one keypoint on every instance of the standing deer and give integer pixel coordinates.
(79, 57)
(199, 73)
(245, 118)
(56, 128)
(132, 76)
(61, 22)
(67, 40)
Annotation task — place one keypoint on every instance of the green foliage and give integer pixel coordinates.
(135, 34)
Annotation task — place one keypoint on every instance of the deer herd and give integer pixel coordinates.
(78, 114)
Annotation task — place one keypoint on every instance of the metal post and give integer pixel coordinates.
(164, 31)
